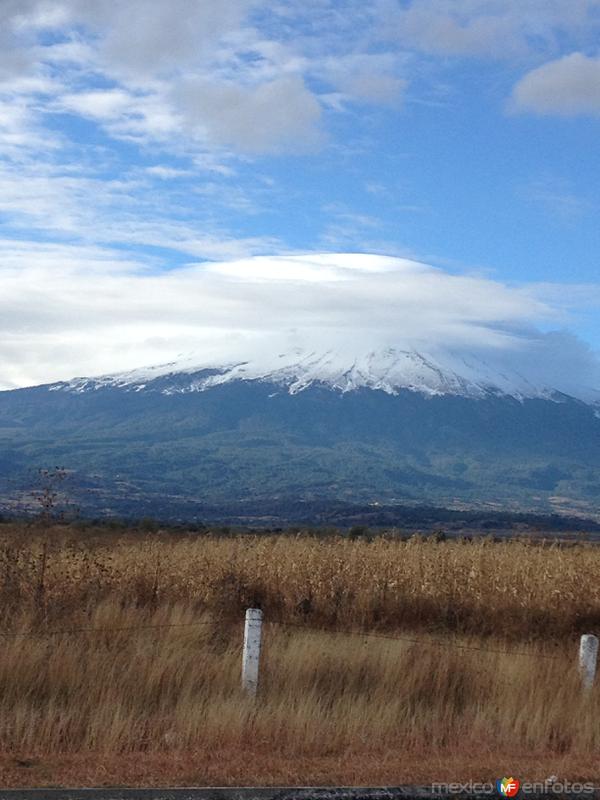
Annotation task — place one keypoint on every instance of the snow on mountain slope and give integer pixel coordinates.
(390, 370)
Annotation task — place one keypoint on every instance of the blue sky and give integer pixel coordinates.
(146, 138)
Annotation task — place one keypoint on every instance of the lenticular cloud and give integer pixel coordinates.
(87, 316)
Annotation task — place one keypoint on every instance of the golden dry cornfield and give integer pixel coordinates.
(513, 589)
(121, 653)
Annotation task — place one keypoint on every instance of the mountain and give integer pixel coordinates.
(389, 427)
(390, 371)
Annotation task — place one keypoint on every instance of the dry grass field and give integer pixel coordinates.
(384, 661)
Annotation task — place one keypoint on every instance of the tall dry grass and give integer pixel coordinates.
(133, 645)
(169, 689)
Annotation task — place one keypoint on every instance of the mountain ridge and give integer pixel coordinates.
(391, 370)
(252, 440)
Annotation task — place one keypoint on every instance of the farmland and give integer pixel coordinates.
(384, 659)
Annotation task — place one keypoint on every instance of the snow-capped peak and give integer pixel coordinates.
(389, 370)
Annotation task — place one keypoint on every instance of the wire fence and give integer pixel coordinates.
(295, 626)
(118, 629)
(217, 624)
(414, 640)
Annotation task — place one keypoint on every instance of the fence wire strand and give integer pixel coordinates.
(412, 640)
(285, 625)
(78, 631)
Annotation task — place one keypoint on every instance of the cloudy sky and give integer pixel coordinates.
(161, 161)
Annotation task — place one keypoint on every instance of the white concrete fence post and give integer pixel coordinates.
(251, 653)
(588, 656)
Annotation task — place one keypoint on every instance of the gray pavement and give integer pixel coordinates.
(241, 793)
(275, 793)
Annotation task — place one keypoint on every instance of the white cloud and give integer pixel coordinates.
(268, 117)
(558, 198)
(280, 114)
(489, 28)
(15, 59)
(100, 104)
(220, 75)
(139, 38)
(567, 86)
(20, 132)
(83, 205)
(80, 311)
(367, 77)
(202, 70)
(376, 89)
(166, 173)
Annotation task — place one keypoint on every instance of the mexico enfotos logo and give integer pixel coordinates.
(512, 787)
